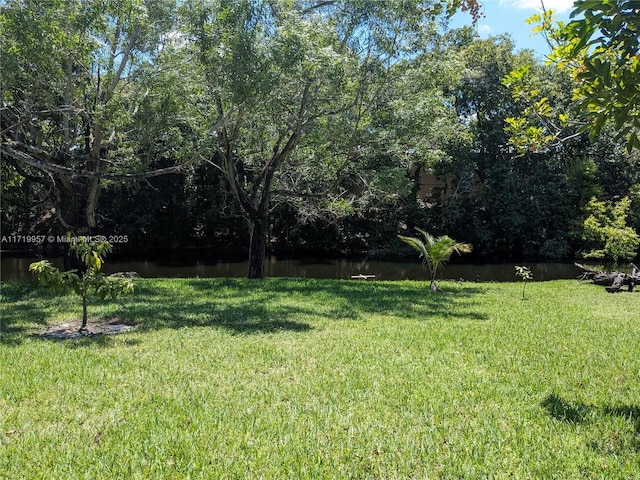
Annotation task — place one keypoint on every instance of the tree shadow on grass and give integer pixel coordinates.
(93, 341)
(608, 441)
(21, 308)
(176, 304)
(284, 304)
(357, 299)
(252, 307)
(100, 341)
(563, 411)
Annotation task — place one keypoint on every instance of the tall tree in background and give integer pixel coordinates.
(67, 91)
(291, 86)
(599, 49)
(507, 204)
(511, 204)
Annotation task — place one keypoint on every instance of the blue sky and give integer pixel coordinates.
(508, 16)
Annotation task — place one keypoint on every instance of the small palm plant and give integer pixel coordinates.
(435, 252)
(92, 280)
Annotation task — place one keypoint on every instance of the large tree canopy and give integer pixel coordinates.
(322, 126)
(67, 91)
(278, 95)
(291, 87)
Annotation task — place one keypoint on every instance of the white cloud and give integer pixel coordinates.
(559, 6)
(484, 29)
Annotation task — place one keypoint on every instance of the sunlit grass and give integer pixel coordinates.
(231, 378)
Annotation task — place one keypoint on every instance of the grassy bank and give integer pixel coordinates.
(231, 378)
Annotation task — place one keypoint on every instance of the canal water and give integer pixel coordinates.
(18, 268)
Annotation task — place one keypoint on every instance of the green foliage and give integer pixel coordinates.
(435, 252)
(65, 101)
(303, 98)
(311, 113)
(525, 274)
(57, 281)
(606, 229)
(543, 118)
(600, 48)
(634, 210)
(509, 202)
(91, 281)
(603, 46)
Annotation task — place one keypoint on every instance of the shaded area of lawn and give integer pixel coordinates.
(239, 305)
(612, 428)
(246, 306)
(24, 305)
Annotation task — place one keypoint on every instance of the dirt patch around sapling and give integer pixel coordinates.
(98, 326)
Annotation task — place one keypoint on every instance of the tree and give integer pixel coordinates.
(92, 280)
(67, 91)
(165, 129)
(435, 252)
(509, 204)
(486, 182)
(291, 86)
(411, 124)
(606, 231)
(601, 46)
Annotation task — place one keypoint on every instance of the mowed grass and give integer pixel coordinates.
(315, 379)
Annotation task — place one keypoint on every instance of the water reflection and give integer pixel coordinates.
(18, 268)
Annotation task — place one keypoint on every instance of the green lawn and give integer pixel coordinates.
(295, 379)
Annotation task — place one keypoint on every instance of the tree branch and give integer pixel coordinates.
(27, 176)
(123, 63)
(278, 157)
(53, 168)
(326, 3)
(230, 169)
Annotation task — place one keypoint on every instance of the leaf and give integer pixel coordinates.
(416, 243)
(633, 142)
(97, 262)
(535, 18)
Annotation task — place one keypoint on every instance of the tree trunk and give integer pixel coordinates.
(83, 327)
(613, 282)
(258, 248)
